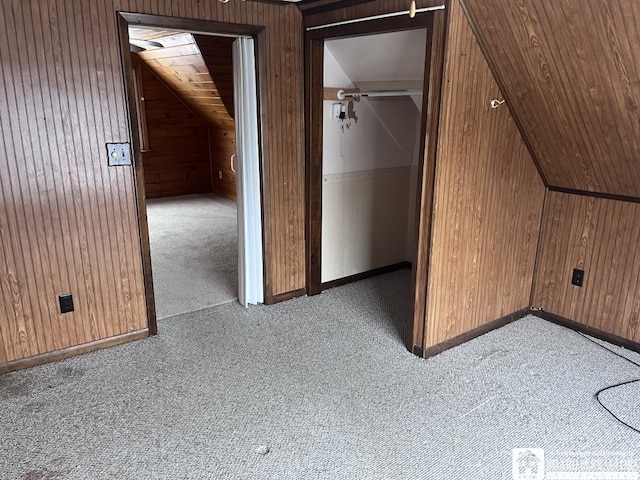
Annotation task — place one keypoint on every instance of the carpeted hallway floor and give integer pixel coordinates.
(194, 252)
(325, 383)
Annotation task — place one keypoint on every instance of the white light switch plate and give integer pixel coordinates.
(119, 154)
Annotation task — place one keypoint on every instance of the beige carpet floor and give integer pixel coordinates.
(194, 252)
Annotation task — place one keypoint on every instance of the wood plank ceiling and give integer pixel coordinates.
(571, 73)
(184, 68)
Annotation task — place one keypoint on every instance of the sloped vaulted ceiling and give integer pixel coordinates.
(198, 68)
(570, 70)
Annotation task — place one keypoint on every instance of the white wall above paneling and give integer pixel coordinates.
(383, 132)
(394, 56)
(334, 75)
(383, 137)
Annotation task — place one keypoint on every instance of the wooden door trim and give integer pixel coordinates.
(432, 100)
(138, 174)
(314, 71)
(372, 27)
(190, 25)
(124, 19)
(435, 22)
(314, 7)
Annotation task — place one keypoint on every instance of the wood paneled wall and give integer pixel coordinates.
(177, 162)
(488, 200)
(601, 237)
(217, 53)
(571, 72)
(68, 221)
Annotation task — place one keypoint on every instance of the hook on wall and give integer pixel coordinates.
(495, 103)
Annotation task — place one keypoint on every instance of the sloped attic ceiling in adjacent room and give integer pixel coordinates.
(198, 69)
(571, 74)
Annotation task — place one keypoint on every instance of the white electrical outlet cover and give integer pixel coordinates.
(336, 108)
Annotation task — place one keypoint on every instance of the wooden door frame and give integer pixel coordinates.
(436, 23)
(205, 27)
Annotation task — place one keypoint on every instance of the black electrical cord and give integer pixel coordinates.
(608, 349)
(597, 395)
(610, 387)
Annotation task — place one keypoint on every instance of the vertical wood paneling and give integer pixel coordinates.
(601, 237)
(488, 200)
(58, 233)
(285, 173)
(571, 72)
(178, 161)
(68, 222)
(119, 184)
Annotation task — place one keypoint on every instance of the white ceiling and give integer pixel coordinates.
(385, 57)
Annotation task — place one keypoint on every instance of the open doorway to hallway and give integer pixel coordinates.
(184, 93)
(195, 128)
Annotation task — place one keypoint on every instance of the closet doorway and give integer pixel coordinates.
(372, 106)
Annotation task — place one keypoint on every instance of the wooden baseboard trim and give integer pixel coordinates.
(594, 332)
(72, 351)
(361, 276)
(283, 297)
(476, 332)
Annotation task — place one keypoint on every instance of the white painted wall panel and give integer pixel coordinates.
(365, 218)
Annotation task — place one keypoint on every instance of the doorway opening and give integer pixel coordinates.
(193, 104)
(371, 145)
(374, 90)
